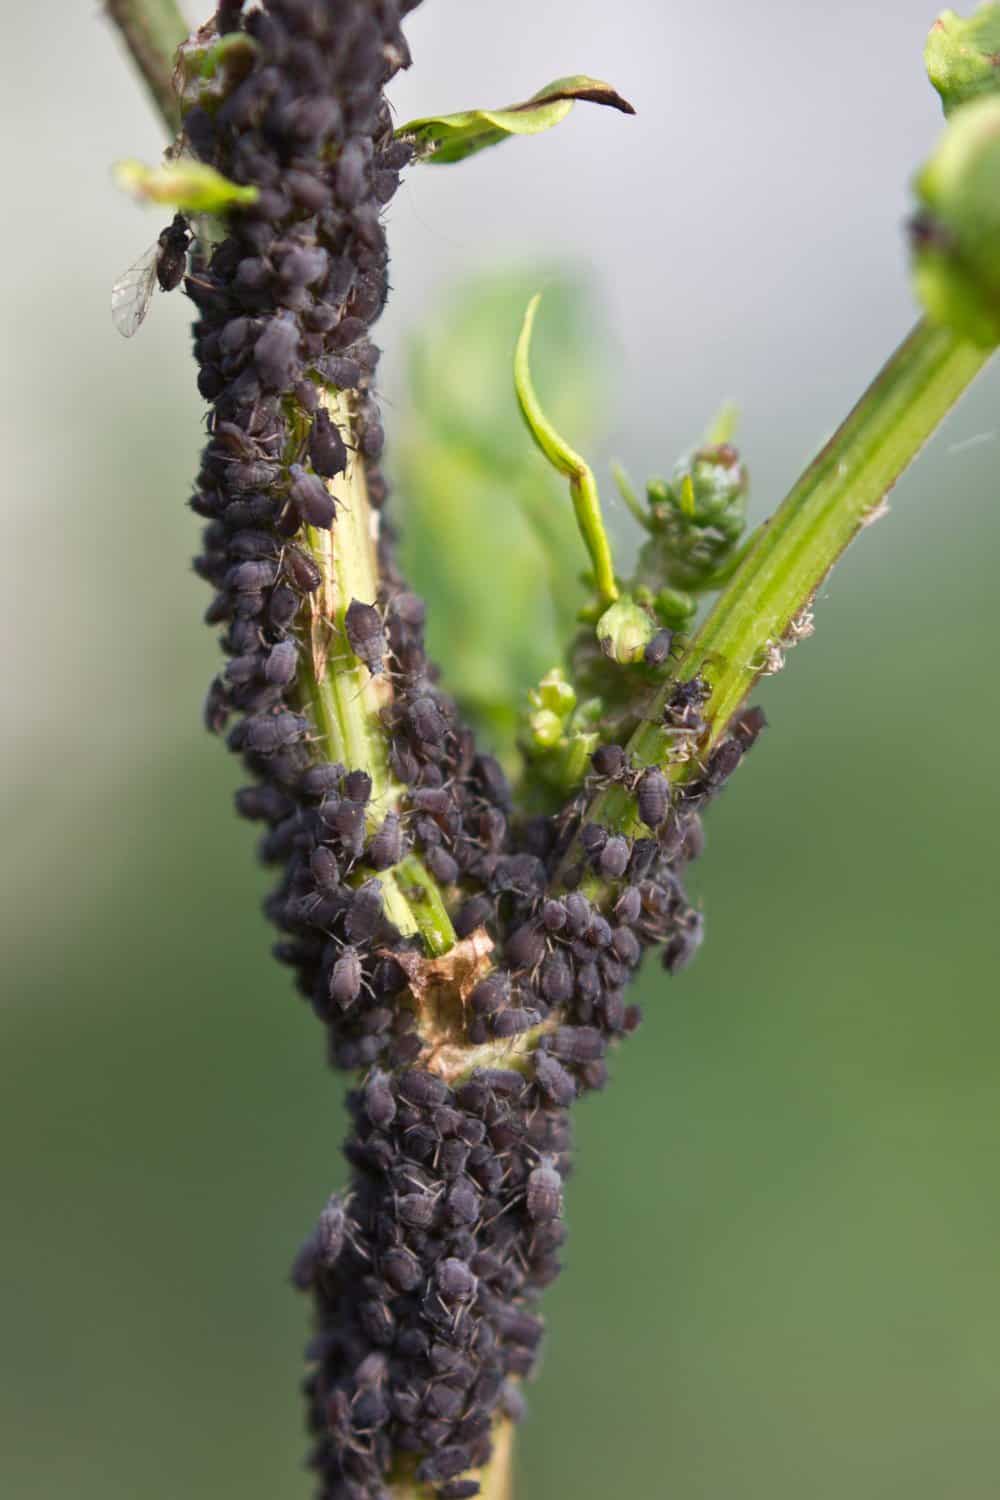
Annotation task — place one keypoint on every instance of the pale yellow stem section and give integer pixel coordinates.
(345, 700)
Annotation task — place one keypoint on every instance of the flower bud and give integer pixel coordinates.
(554, 693)
(961, 56)
(624, 630)
(697, 517)
(956, 234)
(546, 728)
(675, 608)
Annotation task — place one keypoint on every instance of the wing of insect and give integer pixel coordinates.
(132, 292)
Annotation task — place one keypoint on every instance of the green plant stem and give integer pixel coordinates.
(840, 493)
(152, 30)
(628, 493)
(343, 697)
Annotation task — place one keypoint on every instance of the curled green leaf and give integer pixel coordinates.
(450, 138)
(582, 485)
(189, 186)
(963, 56)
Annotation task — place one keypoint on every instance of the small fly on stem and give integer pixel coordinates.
(162, 265)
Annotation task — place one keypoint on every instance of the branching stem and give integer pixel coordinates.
(841, 492)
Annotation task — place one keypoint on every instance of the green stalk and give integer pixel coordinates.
(841, 492)
(345, 700)
(152, 30)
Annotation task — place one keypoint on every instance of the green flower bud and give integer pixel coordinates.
(559, 736)
(624, 630)
(963, 57)
(675, 609)
(698, 517)
(554, 693)
(956, 235)
(546, 728)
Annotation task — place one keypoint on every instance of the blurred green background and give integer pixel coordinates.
(782, 1275)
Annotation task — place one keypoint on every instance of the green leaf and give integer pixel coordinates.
(451, 138)
(963, 56)
(189, 186)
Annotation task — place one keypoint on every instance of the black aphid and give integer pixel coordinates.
(171, 260)
(658, 648)
(300, 568)
(327, 449)
(421, 1087)
(311, 498)
(544, 1192)
(280, 666)
(365, 635)
(320, 779)
(515, 1020)
(331, 1232)
(385, 848)
(610, 761)
(748, 725)
(614, 856)
(365, 913)
(325, 868)
(490, 994)
(277, 353)
(556, 1084)
(345, 978)
(653, 797)
(272, 732)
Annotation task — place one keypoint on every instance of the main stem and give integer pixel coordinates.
(343, 698)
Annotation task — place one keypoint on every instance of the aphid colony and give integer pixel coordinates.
(426, 1274)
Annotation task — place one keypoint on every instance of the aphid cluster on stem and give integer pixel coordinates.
(427, 1273)
(427, 1310)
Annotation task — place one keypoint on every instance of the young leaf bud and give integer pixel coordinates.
(961, 55)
